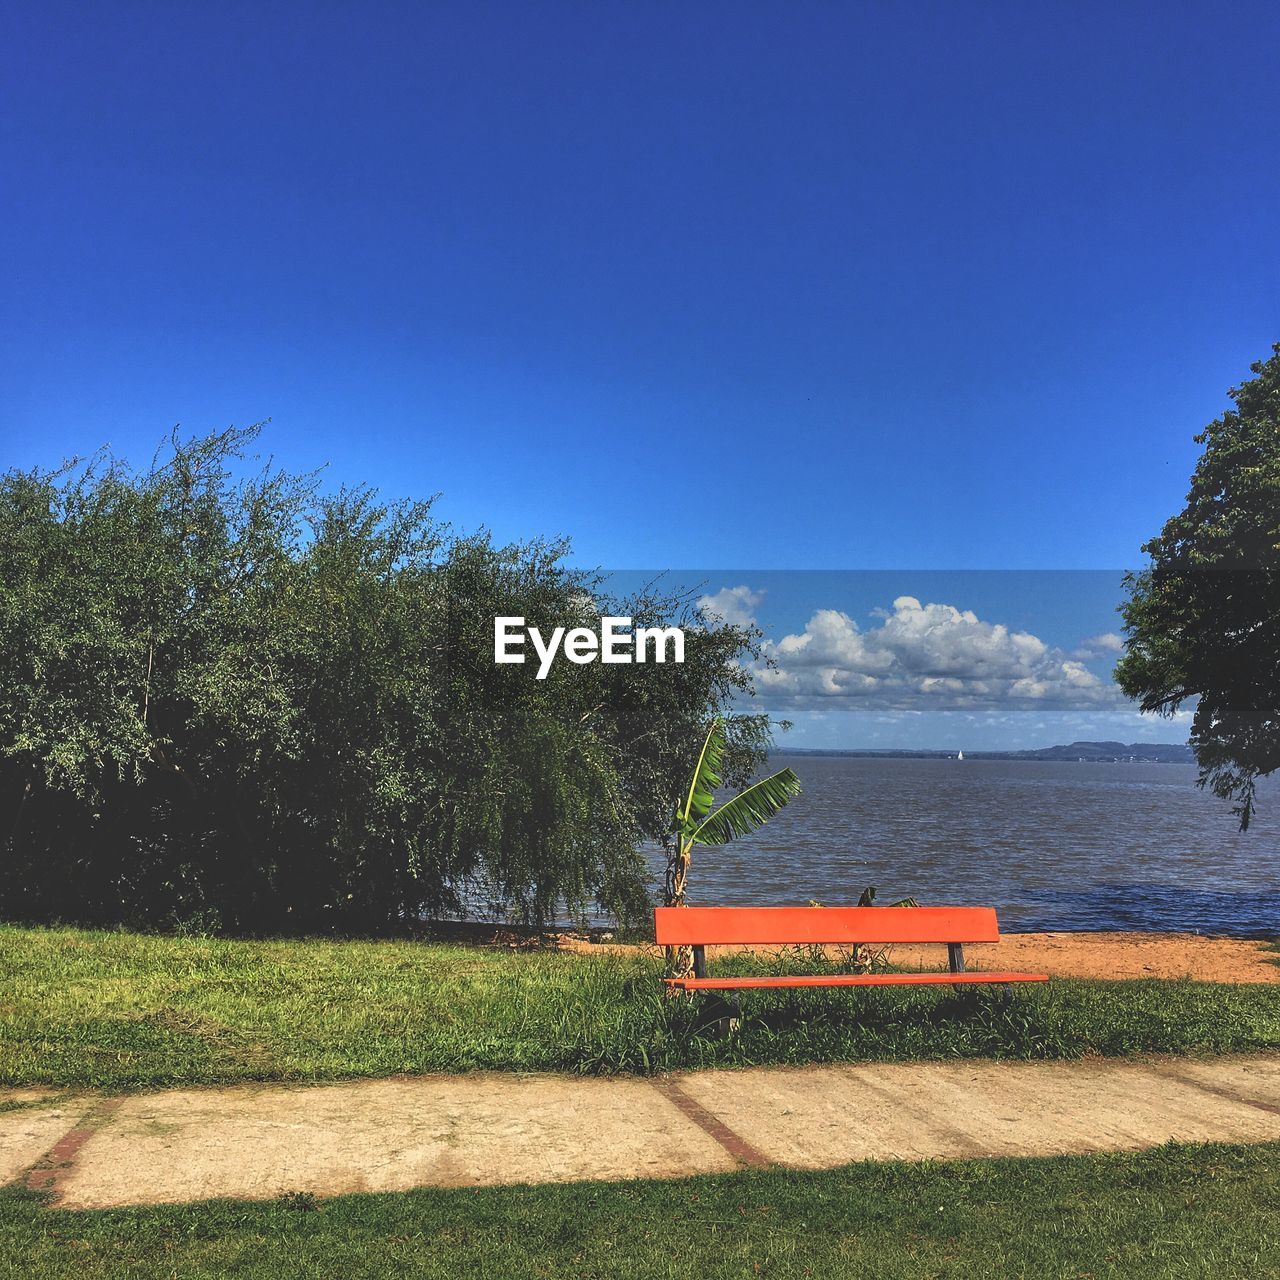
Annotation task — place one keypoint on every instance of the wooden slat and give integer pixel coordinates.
(852, 980)
(776, 926)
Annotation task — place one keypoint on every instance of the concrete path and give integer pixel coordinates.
(473, 1130)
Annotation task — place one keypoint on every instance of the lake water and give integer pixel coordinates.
(1053, 846)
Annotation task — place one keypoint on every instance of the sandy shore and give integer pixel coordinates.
(1060, 955)
(1119, 955)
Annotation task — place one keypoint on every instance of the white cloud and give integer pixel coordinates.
(1106, 645)
(927, 657)
(735, 605)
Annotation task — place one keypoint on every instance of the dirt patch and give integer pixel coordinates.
(11, 1099)
(1111, 955)
(1067, 955)
(1126, 955)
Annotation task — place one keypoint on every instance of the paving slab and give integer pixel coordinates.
(385, 1135)
(488, 1129)
(1255, 1080)
(822, 1117)
(27, 1134)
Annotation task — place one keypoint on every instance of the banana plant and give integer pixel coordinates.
(699, 822)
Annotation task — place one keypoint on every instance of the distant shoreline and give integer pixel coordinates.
(1075, 752)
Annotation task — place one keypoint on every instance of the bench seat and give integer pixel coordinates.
(952, 927)
(851, 980)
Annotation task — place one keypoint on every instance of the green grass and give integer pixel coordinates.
(120, 1010)
(1178, 1211)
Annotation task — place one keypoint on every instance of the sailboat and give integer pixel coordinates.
(959, 755)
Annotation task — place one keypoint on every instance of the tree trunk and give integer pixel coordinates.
(22, 808)
(679, 960)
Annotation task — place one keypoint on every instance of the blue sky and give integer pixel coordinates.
(927, 286)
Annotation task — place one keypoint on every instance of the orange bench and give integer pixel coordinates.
(701, 927)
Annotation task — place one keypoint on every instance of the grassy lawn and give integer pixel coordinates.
(1211, 1211)
(121, 1010)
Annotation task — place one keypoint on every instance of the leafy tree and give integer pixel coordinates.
(229, 701)
(1203, 619)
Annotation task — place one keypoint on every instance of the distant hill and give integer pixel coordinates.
(1093, 752)
(1104, 752)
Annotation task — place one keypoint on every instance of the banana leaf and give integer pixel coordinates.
(747, 811)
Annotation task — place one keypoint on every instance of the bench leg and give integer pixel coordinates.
(719, 1018)
(955, 957)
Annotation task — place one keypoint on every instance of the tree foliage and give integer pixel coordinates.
(1203, 619)
(699, 820)
(232, 701)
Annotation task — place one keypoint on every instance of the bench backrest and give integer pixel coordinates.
(769, 926)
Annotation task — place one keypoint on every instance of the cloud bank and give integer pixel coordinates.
(735, 605)
(1106, 645)
(926, 657)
